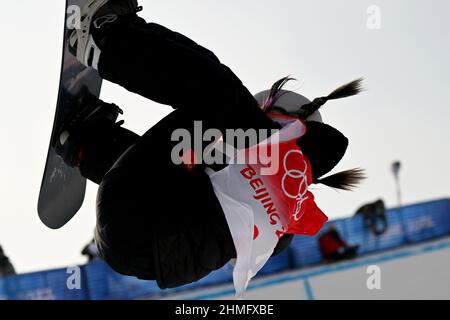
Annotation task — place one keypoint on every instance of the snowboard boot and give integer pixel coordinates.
(91, 121)
(97, 16)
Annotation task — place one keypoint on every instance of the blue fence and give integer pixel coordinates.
(96, 281)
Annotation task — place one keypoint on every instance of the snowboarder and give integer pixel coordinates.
(374, 215)
(169, 222)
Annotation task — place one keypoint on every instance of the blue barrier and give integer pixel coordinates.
(305, 251)
(48, 285)
(97, 281)
(105, 284)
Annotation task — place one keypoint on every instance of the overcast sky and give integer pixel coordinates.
(403, 115)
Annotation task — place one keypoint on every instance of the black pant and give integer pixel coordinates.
(169, 68)
(158, 220)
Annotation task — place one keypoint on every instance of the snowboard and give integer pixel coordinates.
(63, 188)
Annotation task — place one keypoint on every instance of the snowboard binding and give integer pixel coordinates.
(87, 117)
(96, 17)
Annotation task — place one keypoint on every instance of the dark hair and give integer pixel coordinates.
(347, 90)
(274, 93)
(345, 180)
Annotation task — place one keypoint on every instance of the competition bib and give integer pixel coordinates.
(267, 198)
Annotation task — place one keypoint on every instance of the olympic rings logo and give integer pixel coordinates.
(301, 192)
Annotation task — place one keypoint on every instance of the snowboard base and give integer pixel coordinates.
(63, 188)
